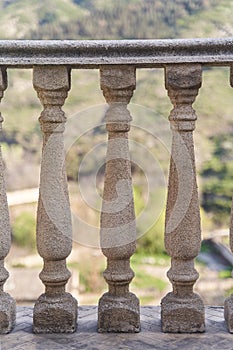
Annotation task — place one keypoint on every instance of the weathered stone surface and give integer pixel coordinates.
(7, 313)
(182, 310)
(55, 314)
(96, 53)
(118, 314)
(181, 315)
(118, 309)
(56, 310)
(228, 305)
(7, 303)
(150, 338)
(228, 313)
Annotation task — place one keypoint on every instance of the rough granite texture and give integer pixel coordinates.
(95, 53)
(55, 311)
(118, 309)
(150, 338)
(228, 306)
(182, 310)
(7, 303)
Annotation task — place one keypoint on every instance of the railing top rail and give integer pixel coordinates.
(94, 53)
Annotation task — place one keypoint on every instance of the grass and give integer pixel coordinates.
(143, 280)
(146, 281)
(146, 299)
(225, 273)
(19, 266)
(157, 260)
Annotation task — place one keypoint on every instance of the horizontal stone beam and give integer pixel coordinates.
(96, 53)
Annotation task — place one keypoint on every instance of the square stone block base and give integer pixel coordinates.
(182, 315)
(7, 313)
(119, 314)
(55, 314)
(228, 313)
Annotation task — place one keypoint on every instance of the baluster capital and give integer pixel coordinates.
(52, 85)
(183, 76)
(118, 84)
(51, 78)
(182, 82)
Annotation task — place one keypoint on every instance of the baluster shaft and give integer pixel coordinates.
(228, 305)
(55, 311)
(182, 310)
(118, 308)
(7, 303)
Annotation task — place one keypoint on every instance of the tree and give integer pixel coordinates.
(217, 176)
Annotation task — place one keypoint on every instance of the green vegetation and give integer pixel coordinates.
(217, 173)
(24, 230)
(139, 259)
(225, 273)
(18, 266)
(90, 275)
(145, 280)
(152, 242)
(91, 269)
(97, 19)
(215, 21)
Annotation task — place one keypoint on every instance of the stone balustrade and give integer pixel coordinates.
(55, 311)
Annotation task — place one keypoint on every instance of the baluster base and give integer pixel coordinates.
(182, 315)
(7, 313)
(55, 314)
(119, 314)
(228, 313)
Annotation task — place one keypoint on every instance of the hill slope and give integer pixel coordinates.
(97, 19)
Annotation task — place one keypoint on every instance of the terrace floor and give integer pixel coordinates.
(86, 337)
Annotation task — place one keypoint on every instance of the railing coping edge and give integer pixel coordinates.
(95, 53)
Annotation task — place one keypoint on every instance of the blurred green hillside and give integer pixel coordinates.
(100, 19)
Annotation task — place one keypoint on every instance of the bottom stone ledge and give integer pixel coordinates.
(119, 314)
(7, 313)
(182, 315)
(86, 337)
(55, 314)
(228, 313)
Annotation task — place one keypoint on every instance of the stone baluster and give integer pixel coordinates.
(228, 306)
(182, 310)
(118, 308)
(55, 311)
(7, 303)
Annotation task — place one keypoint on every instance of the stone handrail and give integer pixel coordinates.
(95, 53)
(56, 310)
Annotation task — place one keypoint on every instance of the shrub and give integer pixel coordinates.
(24, 230)
(152, 242)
